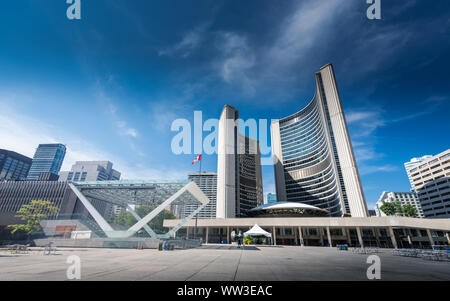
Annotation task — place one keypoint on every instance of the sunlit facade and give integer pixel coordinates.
(313, 155)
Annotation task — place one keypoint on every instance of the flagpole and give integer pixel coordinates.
(199, 183)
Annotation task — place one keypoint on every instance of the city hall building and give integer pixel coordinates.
(313, 155)
(239, 176)
(383, 232)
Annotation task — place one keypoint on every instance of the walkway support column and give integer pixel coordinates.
(274, 234)
(394, 241)
(360, 239)
(349, 238)
(228, 235)
(207, 235)
(448, 238)
(430, 237)
(300, 234)
(329, 237)
(409, 237)
(295, 236)
(377, 237)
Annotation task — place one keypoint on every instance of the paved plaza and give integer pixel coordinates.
(217, 263)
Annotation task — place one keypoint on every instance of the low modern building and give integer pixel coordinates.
(239, 176)
(431, 181)
(87, 171)
(287, 209)
(414, 162)
(384, 232)
(313, 155)
(89, 203)
(13, 166)
(47, 158)
(207, 181)
(404, 198)
(14, 194)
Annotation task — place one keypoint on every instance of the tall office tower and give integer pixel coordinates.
(313, 155)
(239, 176)
(431, 181)
(87, 171)
(207, 181)
(47, 158)
(13, 166)
(405, 198)
(413, 163)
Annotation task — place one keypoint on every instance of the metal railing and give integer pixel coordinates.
(434, 255)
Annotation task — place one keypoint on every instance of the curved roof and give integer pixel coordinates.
(287, 205)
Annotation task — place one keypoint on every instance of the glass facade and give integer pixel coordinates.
(303, 145)
(13, 166)
(313, 155)
(48, 158)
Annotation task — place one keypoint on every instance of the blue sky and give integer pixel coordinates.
(110, 85)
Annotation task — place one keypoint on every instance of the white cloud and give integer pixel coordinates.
(190, 41)
(23, 134)
(370, 169)
(364, 123)
(125, 130)
(311, 21)
(237, 60)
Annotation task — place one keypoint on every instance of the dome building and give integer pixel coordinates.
(287, 209)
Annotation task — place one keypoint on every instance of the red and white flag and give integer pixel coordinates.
(197, 159)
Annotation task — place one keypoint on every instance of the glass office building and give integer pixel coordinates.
(313, 155)
(13, 166)
(207, 182)
(48, 158)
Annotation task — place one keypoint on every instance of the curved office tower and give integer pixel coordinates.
(239, 177)
(313, 155)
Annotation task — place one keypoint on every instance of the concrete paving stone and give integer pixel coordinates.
(217, 263)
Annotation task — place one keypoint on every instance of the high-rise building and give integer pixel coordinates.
(431, 181)
(207, 181)
(239, 177)
(405, 198)
(47, 158)
(313, 155)
(87, 171)
(13, 166)
(271, 198)
(413, 163)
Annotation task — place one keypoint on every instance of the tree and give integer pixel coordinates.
(248, 240)
(409, 210)
(32, 214)
(125, 218)
(391, 208)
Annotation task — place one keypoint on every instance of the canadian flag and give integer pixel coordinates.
(197, 159)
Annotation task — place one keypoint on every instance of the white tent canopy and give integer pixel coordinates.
(257, 231)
